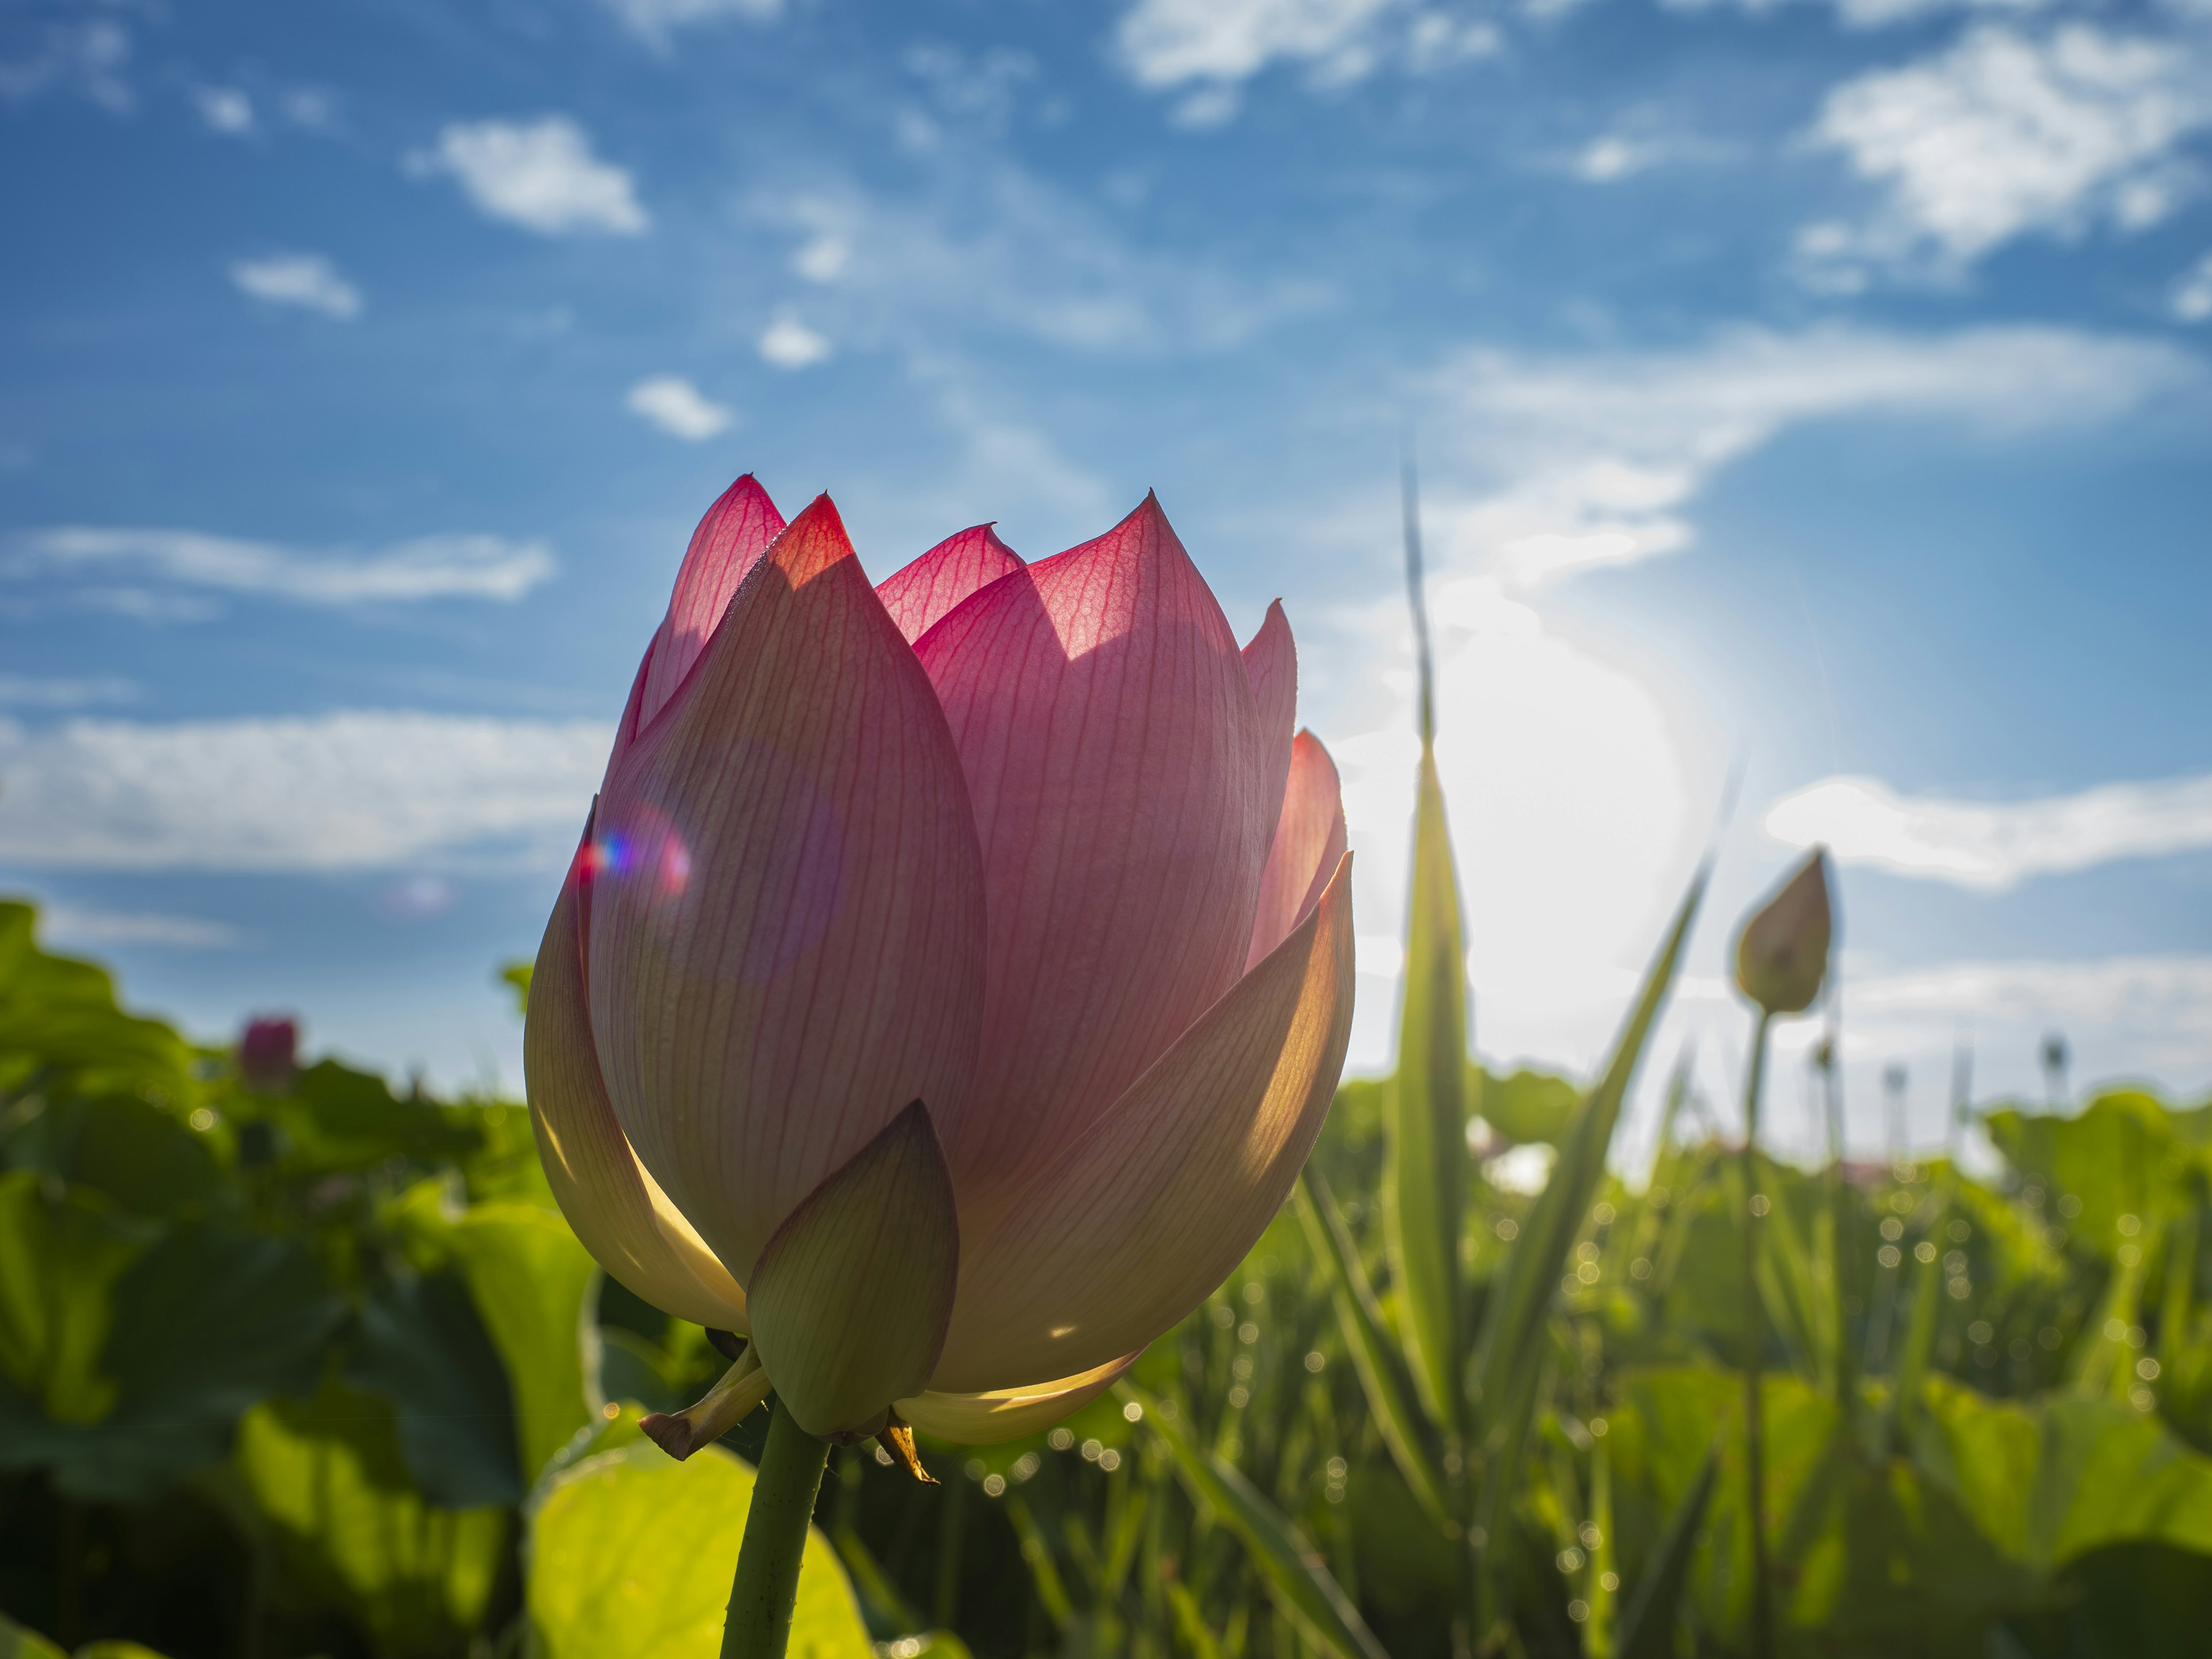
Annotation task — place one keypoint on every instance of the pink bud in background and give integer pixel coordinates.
(269, 1055)
(954, 973)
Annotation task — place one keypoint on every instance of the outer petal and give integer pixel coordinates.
(1271, 663)
(1003, 1415)
(1111, 741)
(1129, 1229)
(919, 595)
(1309, 840)
(616, 1209)
(851, 1297)
(785, 942)
(727, 543)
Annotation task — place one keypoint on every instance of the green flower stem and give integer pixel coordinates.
(1755, 1438)
(767, 1586)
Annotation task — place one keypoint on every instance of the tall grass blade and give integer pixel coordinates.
(1647, 1628)
(1425, 1189)
(1323, 1612)
(1361, 1322)
(1522, 1298)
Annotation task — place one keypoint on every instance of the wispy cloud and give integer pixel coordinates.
(306, 280)
(2132, 1016)
(1995, 845)
(1595, 456)
(68, 925)
(543, 175)
(677, 407)
(2007, 134)
(993, 249)
(427, 567)
(654, 21)
(1167, 43)
(352, 790)
(2190, 301)
(21, 691)
(90, 55)
(1875, 13)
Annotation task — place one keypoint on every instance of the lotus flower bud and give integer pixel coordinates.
(953, 973)
(1781, 955)
(269, 1055)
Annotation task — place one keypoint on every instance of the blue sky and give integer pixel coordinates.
(1822, 384)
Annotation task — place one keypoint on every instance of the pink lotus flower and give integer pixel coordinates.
(269, 1055)
(955, 973)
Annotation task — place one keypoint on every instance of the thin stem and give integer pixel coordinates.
(1755, 1438)
(766, 1585)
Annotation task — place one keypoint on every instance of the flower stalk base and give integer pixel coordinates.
(766, 1589)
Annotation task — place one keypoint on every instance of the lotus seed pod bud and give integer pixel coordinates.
(1781, 955)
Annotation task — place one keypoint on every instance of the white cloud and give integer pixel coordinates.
(1167, 43)
(1995, 845)
(307, 280)
(352, 790)
(677, 407)
(655, 20)
(789, 344)
(67, 925)
(2191, 299)
(1211, 47)
(1595, 456)
(427, 567)
(224, 109)
(2007, 134)
(542, 175)
(20, 692)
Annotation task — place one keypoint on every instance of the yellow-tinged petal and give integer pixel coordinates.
(1135, 1222)
(1309, 839)
(1003, 1415)
(618, 1210)
(851, 1297)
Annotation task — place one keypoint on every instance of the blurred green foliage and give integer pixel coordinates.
(325, 1373)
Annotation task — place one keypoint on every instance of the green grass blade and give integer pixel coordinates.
(1361, 1321)
(1323, 1612)
(1647, 1628)
(1920, 1336)
(1425, 1191)
(1523, 1296)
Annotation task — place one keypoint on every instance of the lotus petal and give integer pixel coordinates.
(618, 1210)
(1004, 1414)
(851, 1297)
(1308, 840)
(1110, 741)
(727, 543)
(1130, 1228)
(922, 593)
(785, 933)
(1271, 663)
